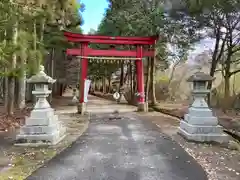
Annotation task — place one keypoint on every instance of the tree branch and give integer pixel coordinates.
(236, 61)
(218, 70)
(214, 56)
(236, 50)
(222, 49)
(234, 72)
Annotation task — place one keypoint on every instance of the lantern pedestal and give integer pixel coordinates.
(42, 127)
(199, 124)
(75, 99)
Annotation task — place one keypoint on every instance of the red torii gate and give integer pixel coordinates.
(84, 51)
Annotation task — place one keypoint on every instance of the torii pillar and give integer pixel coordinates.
(140, 79)
(83, 77)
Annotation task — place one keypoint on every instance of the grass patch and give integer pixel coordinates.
(25, 162)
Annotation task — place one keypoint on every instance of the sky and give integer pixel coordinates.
(93, 14)
(203, 45)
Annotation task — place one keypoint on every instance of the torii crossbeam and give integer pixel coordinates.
(84, 52)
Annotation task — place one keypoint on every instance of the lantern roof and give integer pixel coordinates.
(41, 77)
(200, 76)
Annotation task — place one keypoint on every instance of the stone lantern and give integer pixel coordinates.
(42, 127)
(199, 124)
(75, 96)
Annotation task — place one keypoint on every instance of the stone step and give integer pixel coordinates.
(211, 137)
(41, 121)
(45, 138)
(205, 121)
(39, 129)
(200, 129)
(200, 112)
(40, 113)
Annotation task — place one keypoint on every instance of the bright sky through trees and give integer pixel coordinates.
(93, 13)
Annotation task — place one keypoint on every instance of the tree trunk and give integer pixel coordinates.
(5, 80)
(131, 79)
(42, 30)
(6, 92)
(226, 87)
(226, 92)
(209, 86)
(134, 85)
(98, 86)
(153, 81)
(109, 84)
(147, 87)
(122, 75)
(95, 85)
(173, 71)
(233, 84)
(125, 78)
(227, 75)
(36, 67)
(215, 58)
(11, 97)
(92, 86)
(22, 81)
(51, 72)
(11, 80)
(103, 85)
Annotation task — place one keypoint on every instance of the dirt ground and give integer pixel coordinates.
(13, 121)
(17, 163)
(220, 163)
(229, 120)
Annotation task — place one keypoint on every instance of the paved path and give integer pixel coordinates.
(122, 149)
(97, 105)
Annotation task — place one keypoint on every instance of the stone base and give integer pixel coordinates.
(200, 111)
(74, 101)
(201, 120)
(38, 135)
(34, 143)
(43, 117)
(82, 108)
(202, 133)
(141, 107)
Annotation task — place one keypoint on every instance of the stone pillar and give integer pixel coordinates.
(199, 124)
(42, 127)
(140, 80)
